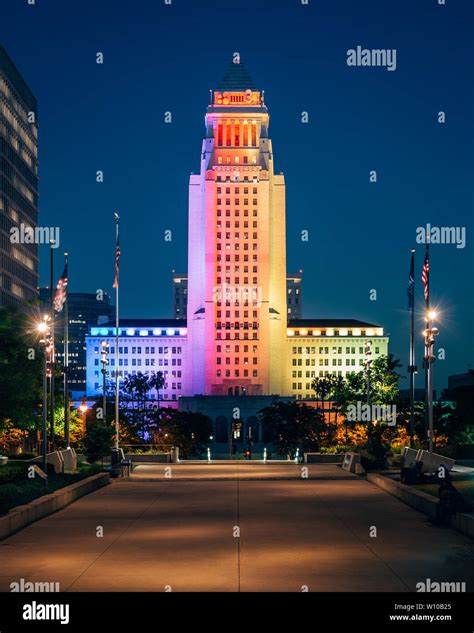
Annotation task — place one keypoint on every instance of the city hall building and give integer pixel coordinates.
(239, 339)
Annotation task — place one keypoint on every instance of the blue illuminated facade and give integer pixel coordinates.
(145, 346)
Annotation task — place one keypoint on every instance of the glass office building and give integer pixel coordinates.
(18, 186)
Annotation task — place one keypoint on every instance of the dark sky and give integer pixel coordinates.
(166, 58)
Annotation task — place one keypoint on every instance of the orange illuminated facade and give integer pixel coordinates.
(237, 250)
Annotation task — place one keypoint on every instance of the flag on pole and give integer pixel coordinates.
(411, 284)
(425, 275)
(61, 291)
(117, 261)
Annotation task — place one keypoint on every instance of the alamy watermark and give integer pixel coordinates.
(362, 412)
(440, 587)
(242, 295)
(377, 57)
(24, 234)
(441, 235)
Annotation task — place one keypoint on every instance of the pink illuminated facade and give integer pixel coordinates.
(237, 313)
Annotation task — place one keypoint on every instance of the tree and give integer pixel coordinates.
(20, 370)
(188, 430)
(98, 440)
(157, 381)
(135, 391)
(293, 425)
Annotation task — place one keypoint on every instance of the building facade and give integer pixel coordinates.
(146, 346)
(180, 295)
(294, 295)
(237, 250)
(18, 186)
(314, 349)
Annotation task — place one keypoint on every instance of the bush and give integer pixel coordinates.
(371, 462)
(12, 472)
(22, 456)
(18, 489)
(98, 441)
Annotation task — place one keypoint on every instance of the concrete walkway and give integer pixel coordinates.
(226, 471)
(181, 534)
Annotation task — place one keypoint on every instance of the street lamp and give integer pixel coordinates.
(44, 329)
(104, 353)
(368, 362)
(83, 409)
(430, 333)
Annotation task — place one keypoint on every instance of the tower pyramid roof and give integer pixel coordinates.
(236, 79)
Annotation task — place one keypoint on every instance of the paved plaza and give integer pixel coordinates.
(182, 534)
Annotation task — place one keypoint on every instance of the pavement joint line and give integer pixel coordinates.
(354, 534)
(136, 518)
(238, 523)
(150, 480)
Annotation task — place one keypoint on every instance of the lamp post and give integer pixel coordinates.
(104, 353)
(368, 363)
(44, 329)
(83, 409)
(430, 333)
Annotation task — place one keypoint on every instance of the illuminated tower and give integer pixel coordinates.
(237, 314)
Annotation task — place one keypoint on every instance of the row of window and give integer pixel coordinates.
(236, 191)
(236, 235)
(236, 348)
(237, 373)
(298, 362)
(237, 258)
(148, 350)
(236, 336)
(228, 177)
(137, 362)
(236, 202)
(236, 213)
(236, 361)
(335, 350)
(236, 314)
(230, 134)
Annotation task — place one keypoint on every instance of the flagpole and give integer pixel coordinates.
(117, 403)
(66, 359)
(412, 368)
(427, 351)
(53, 352)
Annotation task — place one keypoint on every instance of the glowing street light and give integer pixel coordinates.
(368, 363)
(43, 328)
(430, 333)
(83, 409)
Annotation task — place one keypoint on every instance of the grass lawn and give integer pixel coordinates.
(16, 488)
(463, 484)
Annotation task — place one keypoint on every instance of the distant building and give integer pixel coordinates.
(18, 186)
(85, 311)
(180, 295)
(457, 381)
(294, 297)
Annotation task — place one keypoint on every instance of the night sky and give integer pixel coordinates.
(161, 58)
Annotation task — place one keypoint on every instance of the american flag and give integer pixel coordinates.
(61, 291)
(425, 275)
(117, 261)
